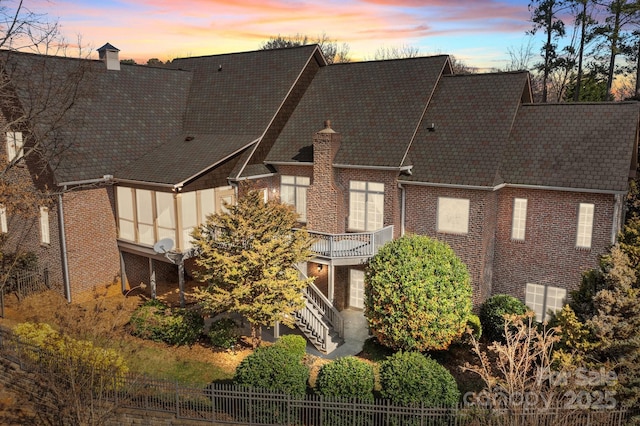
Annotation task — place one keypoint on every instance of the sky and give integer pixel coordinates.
(478, 32)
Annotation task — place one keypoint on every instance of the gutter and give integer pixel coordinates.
(103, 179)
(513, 185)
(393, 168)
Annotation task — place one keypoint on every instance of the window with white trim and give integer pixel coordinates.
(15, 146)
(585, 225)
(366, 205)
(144, 211)
(165, 215)
(542, 299)
(44, 225)
(3, 220)
(293, 191)
(126, 213)
(518, 225)
(356, 288)
(453, 215)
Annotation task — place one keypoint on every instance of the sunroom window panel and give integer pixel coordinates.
(166, 217)
(144, 210)
(207, 203)
(188, 209)
(125, 213)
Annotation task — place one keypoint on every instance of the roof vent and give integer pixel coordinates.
(188, 139)
(109, 54)
(431, 127)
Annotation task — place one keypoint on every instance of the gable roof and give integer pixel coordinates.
(166, 126)
(376, 106)
(581, 146)
(472, 116)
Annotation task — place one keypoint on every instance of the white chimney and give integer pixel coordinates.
(109, 55)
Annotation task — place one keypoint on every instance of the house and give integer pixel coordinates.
(528, 195)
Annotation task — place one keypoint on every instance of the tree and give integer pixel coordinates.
(248, 257)
(333, 53)
(396, 52)
(585, 21)
(37, 95)
(417, 294)
(544, 15)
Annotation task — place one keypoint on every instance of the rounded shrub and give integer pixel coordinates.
(274, 368)
(492, 314)
(346, 377)
(412, 378)
(417, 294)
(155, 321)
(222, 333)
(294, 344)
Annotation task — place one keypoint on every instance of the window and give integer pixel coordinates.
(453, 215)
(519, 219)
(366, 205)
(3, 220)
(585, 225)
(44, 225)
(144, 210)
(293, 190)
(356, 288)
(166, 216)
(126, 216)
(189, 214)
(542, 299)
(15, 145)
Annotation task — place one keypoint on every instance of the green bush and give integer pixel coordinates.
(417, 294)
(346, 377)
(473, 322)
(412, 378)
(492, 314)
(175, 326)
(222, 333)
(274, 368)
(296, 345)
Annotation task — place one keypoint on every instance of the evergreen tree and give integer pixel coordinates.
(248, 257)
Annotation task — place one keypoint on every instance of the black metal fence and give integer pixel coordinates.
(226, 403)
(23, 282)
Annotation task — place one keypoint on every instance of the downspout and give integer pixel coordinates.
(403, 203)
(63, 248)
(618, 212)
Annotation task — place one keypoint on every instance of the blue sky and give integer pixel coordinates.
(479, 32)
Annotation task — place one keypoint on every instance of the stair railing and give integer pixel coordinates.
(308, 318)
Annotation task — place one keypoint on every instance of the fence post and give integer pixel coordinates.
(177, 401)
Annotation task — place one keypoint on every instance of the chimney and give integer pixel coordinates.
(109, 55)
(325, 211)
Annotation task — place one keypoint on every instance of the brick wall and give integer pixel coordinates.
(548, 255)
(92, 251)
(476, 247)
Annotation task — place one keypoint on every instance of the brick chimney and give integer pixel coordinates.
(325, 199)
(109, 55)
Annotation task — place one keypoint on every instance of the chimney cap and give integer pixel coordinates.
(108, 46)
(327, 127)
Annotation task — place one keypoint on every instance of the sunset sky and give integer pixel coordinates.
(479, 32)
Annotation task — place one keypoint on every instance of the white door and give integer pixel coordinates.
(356, 288)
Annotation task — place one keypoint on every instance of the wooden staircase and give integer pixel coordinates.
(320, 321)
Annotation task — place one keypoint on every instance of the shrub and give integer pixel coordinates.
(492, 314)
(346, 377)
(66, 357)
(222, 333)
(294, 344)
(155, 321)
(417, 294)
(410, 377)
(274, 368)
(473, 322)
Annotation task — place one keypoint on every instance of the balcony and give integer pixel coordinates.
(356, 245)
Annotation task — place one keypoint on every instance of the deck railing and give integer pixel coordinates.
(354, 244)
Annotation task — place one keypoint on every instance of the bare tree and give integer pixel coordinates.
(396, 52)
(332, 52)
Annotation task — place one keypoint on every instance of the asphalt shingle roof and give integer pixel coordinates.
(376, 106)
(133, 123)
(472, 115)
(585, 146)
